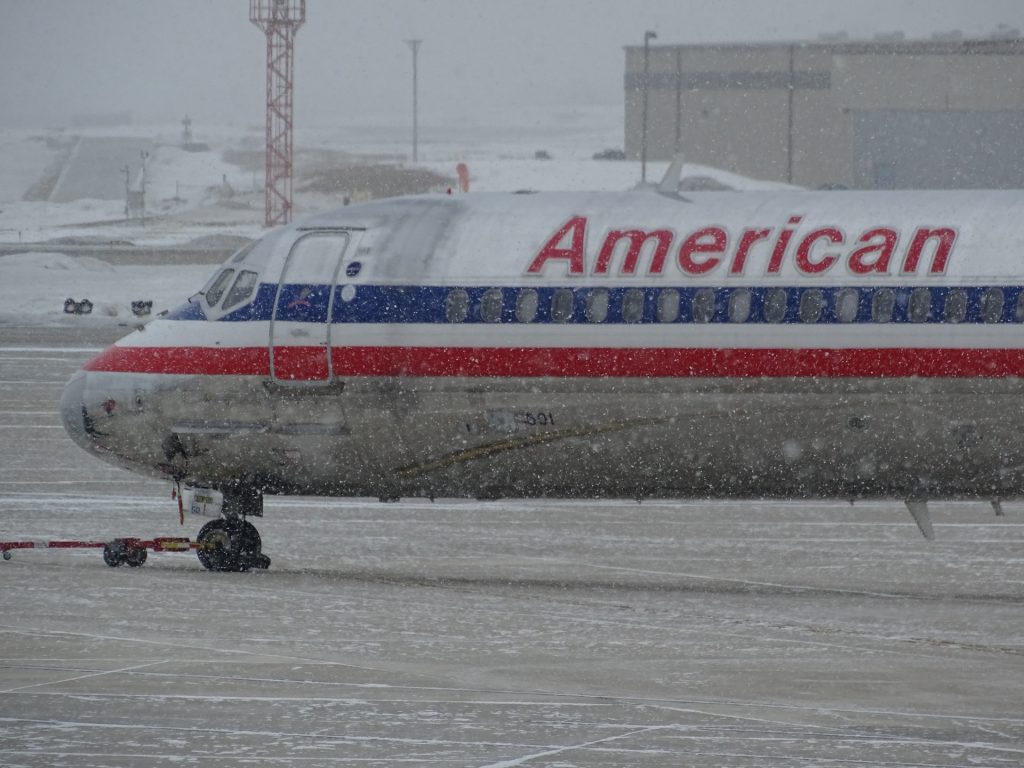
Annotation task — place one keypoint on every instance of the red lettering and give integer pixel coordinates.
(637, 238)
(552, 249)
(803, 252)
(749, 237)
(779, 251)
(945, 237)
(707, 240)
(859, 265)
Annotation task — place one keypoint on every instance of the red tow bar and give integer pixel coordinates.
(118, 552)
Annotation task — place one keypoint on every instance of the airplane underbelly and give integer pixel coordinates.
(705, 437)
(600, 437)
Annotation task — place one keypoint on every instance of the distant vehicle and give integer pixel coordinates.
(541, 154)
(610, 154)
(586, 345)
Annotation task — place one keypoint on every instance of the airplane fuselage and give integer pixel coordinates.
(592, 345)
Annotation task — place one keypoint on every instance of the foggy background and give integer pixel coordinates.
(485, 63)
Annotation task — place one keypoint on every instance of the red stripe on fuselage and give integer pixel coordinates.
(207, 361)
(307, 363)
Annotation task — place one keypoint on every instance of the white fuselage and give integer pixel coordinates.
(792, 344)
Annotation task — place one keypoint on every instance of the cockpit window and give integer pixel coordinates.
(217, 288)
(242, 289)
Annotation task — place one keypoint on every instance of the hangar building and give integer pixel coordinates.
(886, 114)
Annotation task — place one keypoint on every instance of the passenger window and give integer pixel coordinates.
(456, 306)
(668, 306)
(704, 305)
(1018, 314)
(739, 306)
(526, 306)
(775, 305)
(920, 305)
(490, 306)
(242, 289)
(882, 305)
(597, 305)
(633, 305)
(992, 305)
(216, 290)
(561, 305)
(811, 302)
(955, 308)
(847, 304)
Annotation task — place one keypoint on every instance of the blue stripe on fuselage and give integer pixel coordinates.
(427, 304)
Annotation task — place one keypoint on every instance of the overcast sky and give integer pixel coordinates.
(484, 61)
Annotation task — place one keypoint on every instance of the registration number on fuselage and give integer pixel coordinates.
(513, 420)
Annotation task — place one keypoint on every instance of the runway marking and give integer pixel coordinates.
(130, 480)
(83, 677)
(584, 745)
(127, 502)
(825, 730)
(67, 350)
(292, 734)
(220, 651)
(31, 426)
(35, 359)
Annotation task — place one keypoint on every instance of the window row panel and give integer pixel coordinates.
(728, 305)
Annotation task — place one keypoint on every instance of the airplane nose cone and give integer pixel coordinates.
(72, 409)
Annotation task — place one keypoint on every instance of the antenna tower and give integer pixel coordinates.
(279, 20)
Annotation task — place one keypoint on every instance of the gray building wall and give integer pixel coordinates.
(895, 114)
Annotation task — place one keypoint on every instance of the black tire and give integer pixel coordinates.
(214, 550)
(113, 554)
(262, 562)
(249, 545)
(229, 545)
(136, 557)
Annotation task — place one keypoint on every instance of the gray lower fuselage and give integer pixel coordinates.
(390, 437)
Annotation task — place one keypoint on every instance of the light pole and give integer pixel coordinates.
(414, 46)
(648, 36)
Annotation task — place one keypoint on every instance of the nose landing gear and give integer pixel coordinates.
(230, 544)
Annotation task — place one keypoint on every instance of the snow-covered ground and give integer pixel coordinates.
(34, 286)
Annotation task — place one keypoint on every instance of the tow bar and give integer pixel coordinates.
(132, 552)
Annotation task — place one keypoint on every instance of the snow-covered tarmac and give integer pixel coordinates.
(496, 633)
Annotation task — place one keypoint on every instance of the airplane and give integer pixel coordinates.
(637, 345)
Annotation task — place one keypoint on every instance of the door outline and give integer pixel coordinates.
(323, 341)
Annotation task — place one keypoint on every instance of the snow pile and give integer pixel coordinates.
(191, 178)
(34, 286)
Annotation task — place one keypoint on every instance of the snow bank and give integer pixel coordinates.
(34, 286)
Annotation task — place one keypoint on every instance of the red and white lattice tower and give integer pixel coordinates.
(279, 20)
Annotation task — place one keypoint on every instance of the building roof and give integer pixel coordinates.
(888, 45)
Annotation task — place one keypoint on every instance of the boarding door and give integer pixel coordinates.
(300, 330)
